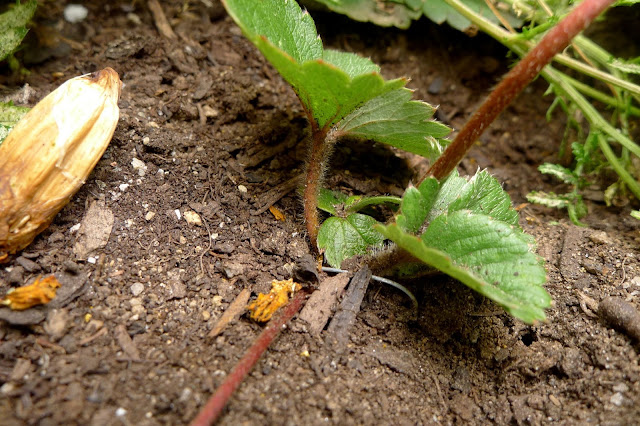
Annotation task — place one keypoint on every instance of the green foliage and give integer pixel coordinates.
(609, 145)
(466, 228)
(337, 89)
(472, 234)
(9, 116)
(342, 238)
(400, 13)
(13, 26)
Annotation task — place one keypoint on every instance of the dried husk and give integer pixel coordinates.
(50, 152)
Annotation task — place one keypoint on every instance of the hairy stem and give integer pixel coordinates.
(218, 400)
(557, 39)
(316, 165)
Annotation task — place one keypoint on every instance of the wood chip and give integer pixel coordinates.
(95, 229)
(235, 309)
(319, 306)
(343, 320)
(125, 342)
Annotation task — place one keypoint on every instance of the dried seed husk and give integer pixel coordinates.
(50, 152)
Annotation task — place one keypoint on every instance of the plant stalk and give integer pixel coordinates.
(218, 400)
(557, 39)
(316, 165)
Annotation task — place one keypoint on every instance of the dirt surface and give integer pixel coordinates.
(218, 133)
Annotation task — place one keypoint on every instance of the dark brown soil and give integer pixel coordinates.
(218, 131)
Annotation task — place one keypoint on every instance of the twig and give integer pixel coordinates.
(235, 309)
(212, 410)
(160, 19)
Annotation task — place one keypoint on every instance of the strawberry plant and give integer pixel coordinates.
(463, 227)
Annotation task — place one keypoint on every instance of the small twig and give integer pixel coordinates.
(93, 337)
(275, 194)
(160, 19)
(235, 309)
(343, 320)
(212, 410)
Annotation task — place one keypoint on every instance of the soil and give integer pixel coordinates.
(219, 133)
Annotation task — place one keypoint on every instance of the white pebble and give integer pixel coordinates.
(242, 189)
(178, 214)
(192, 218)
(75, 13)
(137, 288)
(139, 166)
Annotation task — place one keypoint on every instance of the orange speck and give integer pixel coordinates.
(276, 213)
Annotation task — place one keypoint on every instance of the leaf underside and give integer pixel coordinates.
(401, 13)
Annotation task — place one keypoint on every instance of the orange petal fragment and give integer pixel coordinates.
(277, 213)
(263, 308)
(40, 292)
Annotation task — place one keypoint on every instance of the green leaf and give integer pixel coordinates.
(562, 173)
(489, 256)
(342, 238)
(393, 118)
(12, 26)
(353, 65)
(416, 205)
(9, 116)
(635, 214)
(548, 199)
(286, 36)
(327, 200)
(472, 234)
(625, 66)
(572, 201)
(385, 13)
(484, 194)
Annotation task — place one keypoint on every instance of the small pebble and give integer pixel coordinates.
(242, 189)
(136, 289)
(139, 166)
(149, 216)
(28, 264)
(74, 13)
(617, 399)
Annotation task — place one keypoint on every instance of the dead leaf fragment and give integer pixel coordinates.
(40, 292)
(125, 342)
(235, 309)
(95, 229)
(263, 308)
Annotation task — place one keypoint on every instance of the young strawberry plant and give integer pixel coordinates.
(463, 227)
